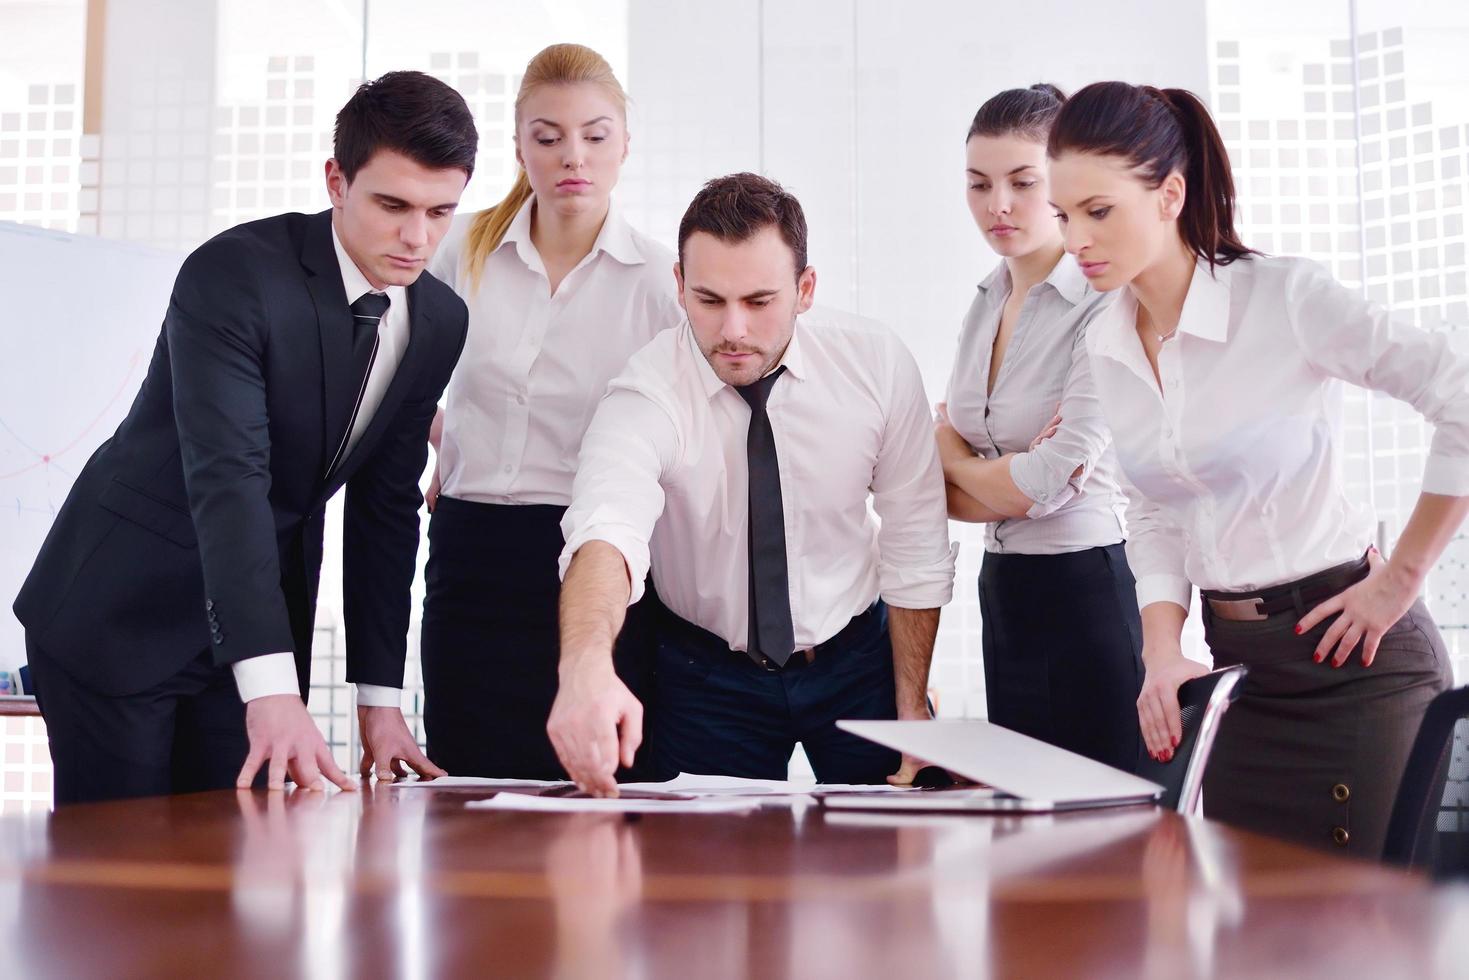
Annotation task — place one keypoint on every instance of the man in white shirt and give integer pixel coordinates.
(736, 455)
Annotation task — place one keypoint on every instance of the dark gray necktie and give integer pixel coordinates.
(367, 314)
(771, 633)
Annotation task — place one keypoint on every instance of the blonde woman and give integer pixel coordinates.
(561, 290)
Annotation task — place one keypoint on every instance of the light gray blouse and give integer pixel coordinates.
(1045, 366)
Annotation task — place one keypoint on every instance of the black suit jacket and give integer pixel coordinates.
(199, 523)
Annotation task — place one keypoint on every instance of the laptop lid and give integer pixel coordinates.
(1017, 764)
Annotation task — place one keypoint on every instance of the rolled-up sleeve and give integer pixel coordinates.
(1348, 337)
(1045, 473)
(916, 559)
(617, 496)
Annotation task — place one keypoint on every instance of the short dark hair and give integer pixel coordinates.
(1157, 131)
(1026, 112)
(410, 112)
(735, 208)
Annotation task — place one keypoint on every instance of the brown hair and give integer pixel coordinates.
(1026, 112)
(735, 208)
(410, 112)
(1159, 131)
(560, 64)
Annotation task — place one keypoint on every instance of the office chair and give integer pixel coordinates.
(1201, 704)
(1429, 828)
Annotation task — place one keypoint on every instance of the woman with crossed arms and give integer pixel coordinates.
(1051, 504)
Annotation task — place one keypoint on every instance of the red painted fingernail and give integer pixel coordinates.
(1299, 631)
(1317, 658)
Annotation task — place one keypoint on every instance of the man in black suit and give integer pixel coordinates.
(169, 613)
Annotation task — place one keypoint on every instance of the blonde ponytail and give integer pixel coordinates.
(560, 64)
(490, 225)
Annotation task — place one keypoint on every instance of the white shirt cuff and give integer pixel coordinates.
(1446, 475)
(919, 587)
(267, 674)
(633, 548)
(1163, 587)
(377, 696)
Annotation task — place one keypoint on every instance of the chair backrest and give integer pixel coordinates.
(1201, 704)
(1429, 828)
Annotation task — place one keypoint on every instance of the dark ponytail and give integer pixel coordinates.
(1028, 112)
(1159, 131)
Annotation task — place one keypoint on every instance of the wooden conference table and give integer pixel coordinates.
(407, 882)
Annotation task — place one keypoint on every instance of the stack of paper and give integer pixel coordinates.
(586, 804)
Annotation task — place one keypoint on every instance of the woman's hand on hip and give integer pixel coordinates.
(1368, 610)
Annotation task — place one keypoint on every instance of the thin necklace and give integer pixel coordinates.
(1148, 322)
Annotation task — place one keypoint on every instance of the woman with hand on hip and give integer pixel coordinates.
(1220, 372)
(1061, 634)
(561, 291)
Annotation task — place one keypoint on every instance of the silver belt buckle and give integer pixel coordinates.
(1239, 610)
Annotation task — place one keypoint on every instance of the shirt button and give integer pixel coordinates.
(520, 399)
(1341, 792)
(1339, 836)
(508, 468)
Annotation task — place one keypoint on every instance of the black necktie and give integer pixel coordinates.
(771, 633)
(367, 313)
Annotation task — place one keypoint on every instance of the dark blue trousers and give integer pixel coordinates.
(717, 712)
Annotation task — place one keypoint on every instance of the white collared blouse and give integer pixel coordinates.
(1233, 465)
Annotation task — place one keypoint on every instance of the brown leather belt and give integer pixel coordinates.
(1300, 595)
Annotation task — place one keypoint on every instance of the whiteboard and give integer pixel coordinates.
(78, 320)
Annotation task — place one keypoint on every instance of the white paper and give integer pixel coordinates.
(475, 782)
(692, 784)
(524, 802)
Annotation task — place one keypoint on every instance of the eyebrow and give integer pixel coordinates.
(1080, 205)
(390, 199)
(757, 294)
(981, 173)
(590, 122)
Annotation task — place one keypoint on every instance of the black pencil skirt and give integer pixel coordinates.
(490, 640)
(1063, 650)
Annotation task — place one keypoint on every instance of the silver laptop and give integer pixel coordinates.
(1022, 774)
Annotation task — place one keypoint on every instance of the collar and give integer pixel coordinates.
(1205, 314)
(793, 359)
(615, 238)
(1066, 279)
(1205, 311)
(355, 283)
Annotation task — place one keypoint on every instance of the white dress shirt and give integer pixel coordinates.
(535, 365)
(664, 478)
(1233, 468)
(275, 673)
(1045, 366)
